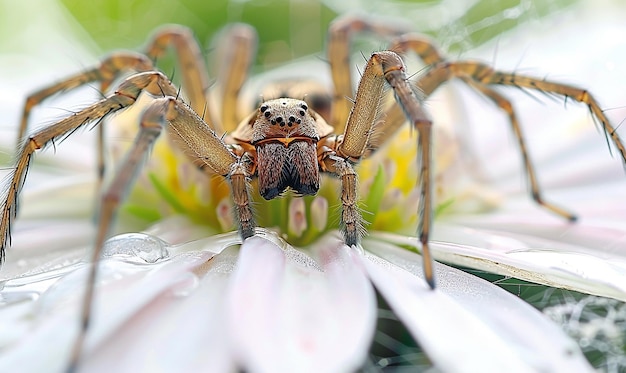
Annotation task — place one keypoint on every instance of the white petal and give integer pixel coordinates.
(288, 314)
(468, 324)
(151, 315)
(529, 258)
(181, 329)
(40, 246)
(528, 243)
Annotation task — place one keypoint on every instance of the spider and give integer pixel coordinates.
(287, 142)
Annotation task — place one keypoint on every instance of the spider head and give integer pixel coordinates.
(284, 118)
(285, 135)
(313, 92)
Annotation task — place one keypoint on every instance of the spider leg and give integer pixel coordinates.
(479, 76)
(484, 74)
(195, 80)
(411, 104)
(420, 45)
(239, 43)
(507, 107)
(393, 118)
(106, 72)
(340, 34)
(351, 220)
(489, 76)
(200, 143)
(154, 83)
(207, 151)
(151, 127)
(238, 49)
(381, 67)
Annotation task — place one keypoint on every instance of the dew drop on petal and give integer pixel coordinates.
(136, 248)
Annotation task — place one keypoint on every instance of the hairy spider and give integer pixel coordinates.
(286, 142)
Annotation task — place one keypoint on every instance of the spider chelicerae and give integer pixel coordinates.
(287, 141)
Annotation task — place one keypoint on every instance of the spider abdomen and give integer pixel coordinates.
(287, 164)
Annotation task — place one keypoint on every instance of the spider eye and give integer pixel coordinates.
(263, 108)
(267, 113)
(304, 107)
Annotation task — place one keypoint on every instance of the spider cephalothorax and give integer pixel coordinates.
(285, 135)
(283, 142)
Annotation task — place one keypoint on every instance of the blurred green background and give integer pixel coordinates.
(65, 35)
(289, 29)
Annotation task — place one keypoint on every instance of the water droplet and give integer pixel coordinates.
(136, 248)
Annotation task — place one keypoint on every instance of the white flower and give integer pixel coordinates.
(173, 299)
